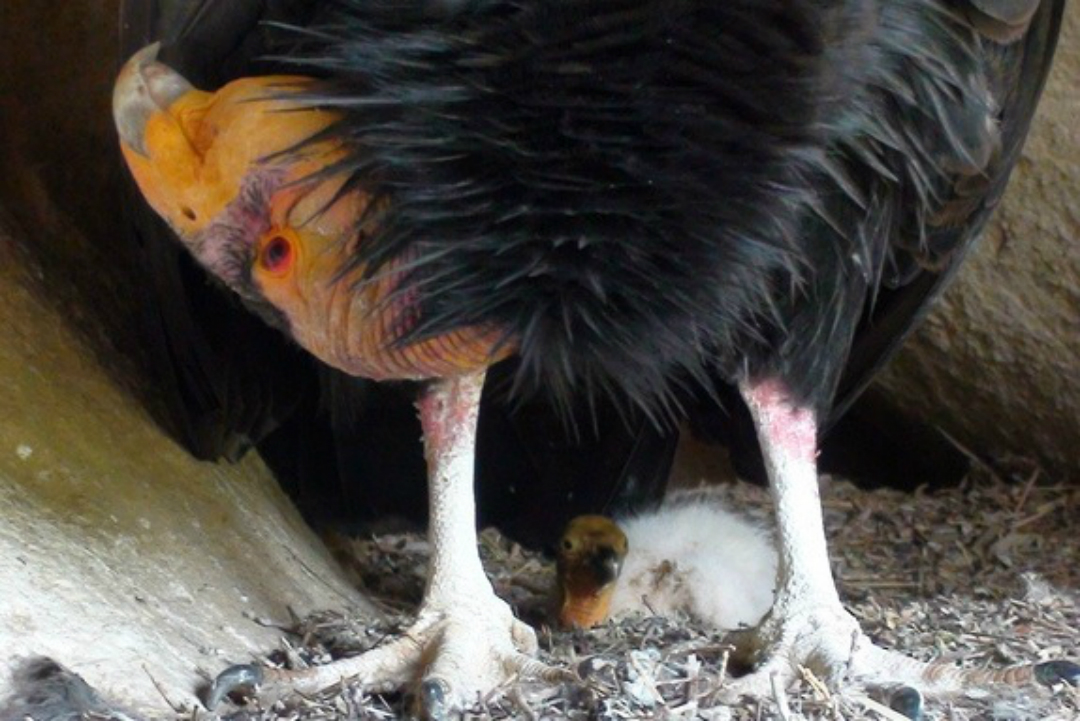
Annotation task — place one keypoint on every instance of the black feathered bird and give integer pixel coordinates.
(646, 203)
(344, 447)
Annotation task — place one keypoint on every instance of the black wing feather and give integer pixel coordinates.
(646, 192)
(978, 154)
(612, 184)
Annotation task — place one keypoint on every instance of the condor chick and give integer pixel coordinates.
(691, 557)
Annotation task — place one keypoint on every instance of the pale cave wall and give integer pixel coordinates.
(997, 365)
(120, 555)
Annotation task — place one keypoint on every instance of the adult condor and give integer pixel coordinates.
(345, 448)
(645, 203)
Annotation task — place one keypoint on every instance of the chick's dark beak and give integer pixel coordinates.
(606, 565)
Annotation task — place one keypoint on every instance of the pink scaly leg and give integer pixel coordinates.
(465, 641)
(808, 626)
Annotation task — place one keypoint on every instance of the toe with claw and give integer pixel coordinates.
(824, 641)
(1052, 673)
(450, 656)
(465, 641)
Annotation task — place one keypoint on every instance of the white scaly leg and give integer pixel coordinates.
(465, 641)
(480, 643)
(807, 624)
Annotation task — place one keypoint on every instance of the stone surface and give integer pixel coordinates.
(121, 556)
(997, 365)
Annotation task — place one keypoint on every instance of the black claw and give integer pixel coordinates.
(907, 701)
(234, 678)
(1050, 673)
(433, 699)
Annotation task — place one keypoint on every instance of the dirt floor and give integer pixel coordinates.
(984, 575)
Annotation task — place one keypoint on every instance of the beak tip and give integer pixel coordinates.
(143, 87)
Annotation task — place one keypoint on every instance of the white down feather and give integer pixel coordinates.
(696, 556)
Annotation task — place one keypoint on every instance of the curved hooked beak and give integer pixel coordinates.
(143, 88)
(192, 152)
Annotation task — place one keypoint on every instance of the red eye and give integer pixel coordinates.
(276, 254)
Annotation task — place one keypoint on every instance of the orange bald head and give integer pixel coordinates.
(588, 564)
(241, 176)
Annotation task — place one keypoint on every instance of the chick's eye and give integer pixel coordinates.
(567, 544)
(276, 254)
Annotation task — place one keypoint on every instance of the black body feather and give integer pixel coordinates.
(615, 186)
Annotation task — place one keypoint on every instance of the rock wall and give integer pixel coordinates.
(997, 365)
(121, 556)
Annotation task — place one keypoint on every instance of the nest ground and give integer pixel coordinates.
(984, 574)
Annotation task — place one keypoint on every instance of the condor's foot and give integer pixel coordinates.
(771, 653)
(449, 658)
(828, 641)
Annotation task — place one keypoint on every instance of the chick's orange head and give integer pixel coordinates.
(589, 561)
